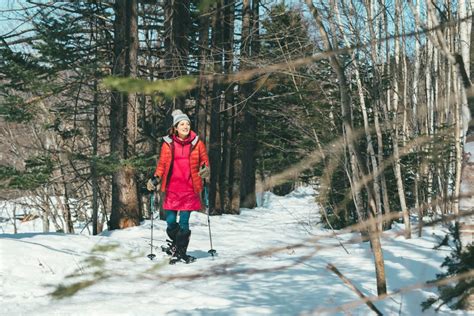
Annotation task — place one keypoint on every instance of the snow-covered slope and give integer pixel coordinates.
(121, 280)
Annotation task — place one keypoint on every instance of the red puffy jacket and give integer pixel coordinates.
(198, 157)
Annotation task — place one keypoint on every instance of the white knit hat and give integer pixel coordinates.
(179, 116)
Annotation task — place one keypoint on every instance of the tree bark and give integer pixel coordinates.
(202, 100)
(177, 24)
(249, 122)
(93, 164)
(226, 173)
(459, 137)
(215, 128)
(123, 123)
(395, 128)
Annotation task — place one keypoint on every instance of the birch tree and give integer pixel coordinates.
(349, 138)
(395, 124)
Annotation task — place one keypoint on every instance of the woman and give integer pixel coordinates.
(182, 165)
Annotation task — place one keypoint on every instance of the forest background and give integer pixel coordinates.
(368, 101)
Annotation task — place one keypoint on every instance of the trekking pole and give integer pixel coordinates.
(206, 202)
(152, 209)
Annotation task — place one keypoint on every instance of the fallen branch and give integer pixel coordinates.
(353, 287)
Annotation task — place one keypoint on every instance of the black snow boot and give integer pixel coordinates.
(172, 232)
(182, 242)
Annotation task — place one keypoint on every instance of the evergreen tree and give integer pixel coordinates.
(53, 90)
(458, 293)
(293, 106)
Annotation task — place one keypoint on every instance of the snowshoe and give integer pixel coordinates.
(182, 242)
(185, 259)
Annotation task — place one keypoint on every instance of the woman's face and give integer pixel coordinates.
(183, 129)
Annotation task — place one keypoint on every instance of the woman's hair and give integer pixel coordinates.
(172, 131)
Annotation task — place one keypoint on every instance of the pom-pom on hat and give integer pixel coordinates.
(179, 116)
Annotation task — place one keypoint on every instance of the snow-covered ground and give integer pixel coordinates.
(119, 279)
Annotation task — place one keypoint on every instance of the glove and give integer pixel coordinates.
(204, 172)
(153, 183)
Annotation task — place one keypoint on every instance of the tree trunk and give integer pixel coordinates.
(177, 24)
(66, 207)
(395, 128)
(202, 89)
(459, 137)
(248, 125)
(123, 124)
(374, 235)
(215, 131)
(44, 217)
(225, 179)
(370, 148)
(249, 136)
(425, 122)
(376, 53)
(93, 164)
(349, 137)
